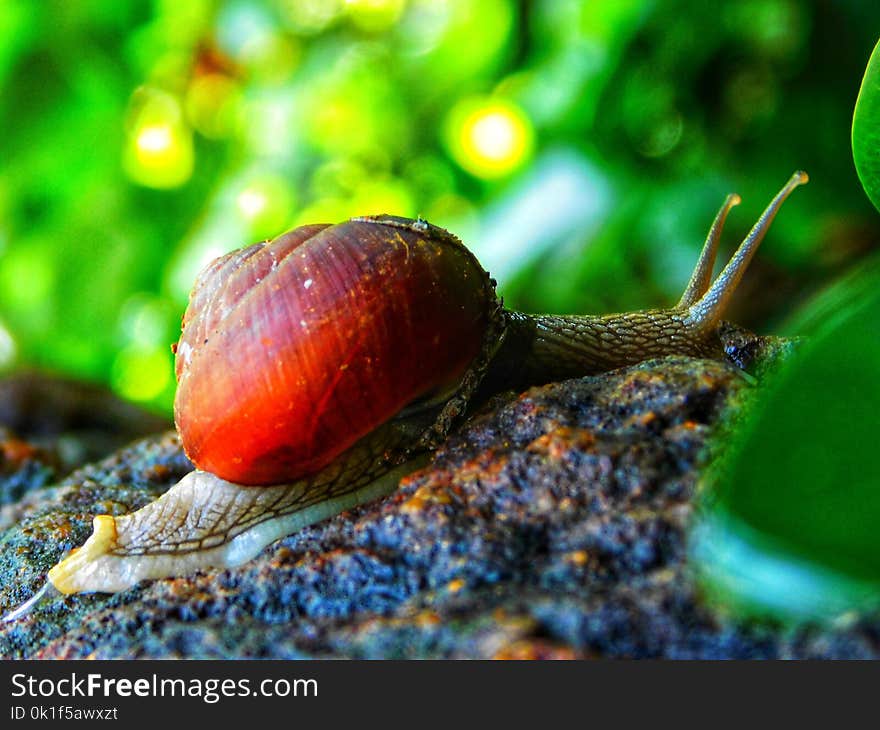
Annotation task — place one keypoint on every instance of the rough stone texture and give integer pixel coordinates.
(551, 526)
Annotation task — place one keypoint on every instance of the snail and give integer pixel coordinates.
(317, 369)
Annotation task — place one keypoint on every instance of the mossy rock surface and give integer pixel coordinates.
(552, 525)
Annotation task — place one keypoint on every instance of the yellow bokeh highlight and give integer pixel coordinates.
(251, 202)
(141, 373)
(489, 137)
(159, 149)
(156, 139)
(374, 15)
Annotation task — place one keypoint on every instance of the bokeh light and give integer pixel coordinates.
(453, 42)
(144, 320)
(266, 205)
(374, 15)
(142, 373)
(309, 17)
(212, 105)
(489, 137)
(7, 347)
(159, 151)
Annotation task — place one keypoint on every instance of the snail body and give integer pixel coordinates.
(315, 370)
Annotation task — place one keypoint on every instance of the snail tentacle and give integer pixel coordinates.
(45, 595)
(702, 275)
(706, 313)
(560, 346)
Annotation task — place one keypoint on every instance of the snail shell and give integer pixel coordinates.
(294, 349)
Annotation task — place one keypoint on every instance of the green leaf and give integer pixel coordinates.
(791, 528)
(866, 129)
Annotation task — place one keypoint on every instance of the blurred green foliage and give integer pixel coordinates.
(580, 148)
(787, 527)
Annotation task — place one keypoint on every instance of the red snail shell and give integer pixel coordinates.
(294, 349)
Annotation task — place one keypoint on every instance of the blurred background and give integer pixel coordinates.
(581, 149)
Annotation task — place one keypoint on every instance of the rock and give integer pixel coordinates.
(24, 466)
(552, 525)
(51, 425)
(37, 404)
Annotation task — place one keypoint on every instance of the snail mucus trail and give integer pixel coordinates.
(317, 369)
